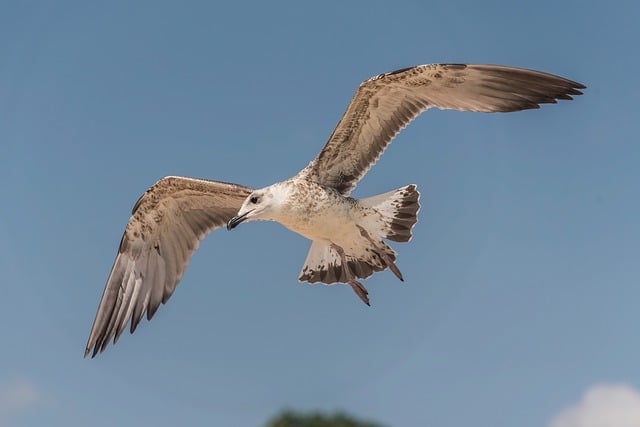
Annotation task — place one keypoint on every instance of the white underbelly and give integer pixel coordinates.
(333, 225)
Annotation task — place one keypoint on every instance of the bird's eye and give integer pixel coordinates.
(254, 199)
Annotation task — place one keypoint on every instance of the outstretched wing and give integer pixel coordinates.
(166, 226)
(385, 104)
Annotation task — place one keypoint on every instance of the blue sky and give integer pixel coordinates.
(522, 280)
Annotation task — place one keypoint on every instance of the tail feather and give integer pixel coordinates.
(399, 210)
(323, 264)
(367, 253)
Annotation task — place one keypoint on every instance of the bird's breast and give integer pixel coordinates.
(317, 213)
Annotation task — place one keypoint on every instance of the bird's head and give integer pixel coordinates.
(260, 205)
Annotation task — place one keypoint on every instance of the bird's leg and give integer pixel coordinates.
(360, 290)
(357, 287)
(383, 255)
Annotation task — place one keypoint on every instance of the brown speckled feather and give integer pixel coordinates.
(166, 226)
(383, 105)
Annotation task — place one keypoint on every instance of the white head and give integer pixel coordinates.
(261, 205)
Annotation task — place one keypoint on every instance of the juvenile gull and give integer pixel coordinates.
(348, 235)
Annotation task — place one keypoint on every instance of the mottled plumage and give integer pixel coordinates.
(166, 226)
(348, 235)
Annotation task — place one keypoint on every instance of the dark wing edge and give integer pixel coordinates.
(166, 227)
(385, 104)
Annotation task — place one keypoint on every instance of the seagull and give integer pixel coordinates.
(347, 235)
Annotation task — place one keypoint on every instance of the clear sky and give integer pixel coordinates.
(522, 288)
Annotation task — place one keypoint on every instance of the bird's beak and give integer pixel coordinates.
(233, 222)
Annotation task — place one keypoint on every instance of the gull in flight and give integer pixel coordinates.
(347, 234)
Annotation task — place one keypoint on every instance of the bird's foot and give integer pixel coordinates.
(350, 277)
(382, 254)
(360, 290)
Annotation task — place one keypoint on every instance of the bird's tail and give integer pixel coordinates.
(325, 265)
(399, 210)
(328, 263)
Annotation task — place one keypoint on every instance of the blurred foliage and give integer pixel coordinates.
(288, 418)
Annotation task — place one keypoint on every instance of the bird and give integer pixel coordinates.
(348, 235)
